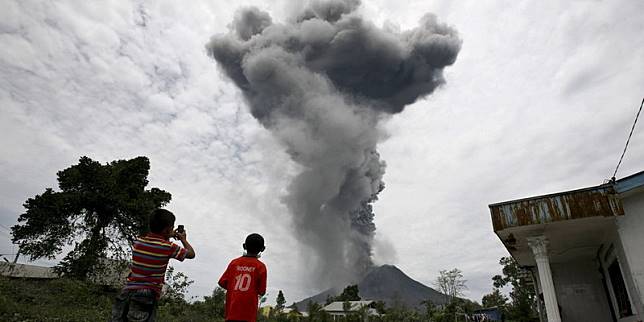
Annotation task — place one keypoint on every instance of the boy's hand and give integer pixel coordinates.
(180, 235)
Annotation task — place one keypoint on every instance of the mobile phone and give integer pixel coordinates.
(180, 229)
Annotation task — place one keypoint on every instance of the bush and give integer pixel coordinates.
(73, 300)
(53, 300)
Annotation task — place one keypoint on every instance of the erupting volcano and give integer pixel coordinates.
(322, 84)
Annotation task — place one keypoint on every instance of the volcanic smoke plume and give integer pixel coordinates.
(321, 84)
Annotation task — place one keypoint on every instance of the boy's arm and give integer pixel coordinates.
(261, 286)
(223, 280)
(190, 252)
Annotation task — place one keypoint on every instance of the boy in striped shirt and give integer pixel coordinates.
(150, 255)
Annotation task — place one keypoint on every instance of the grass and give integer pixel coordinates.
(73, 300)
(53, 300)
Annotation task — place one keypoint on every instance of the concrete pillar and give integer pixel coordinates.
(539, 246)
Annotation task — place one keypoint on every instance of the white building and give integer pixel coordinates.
(27, 271)
(585, 248)
(337, 309)
(114, 274)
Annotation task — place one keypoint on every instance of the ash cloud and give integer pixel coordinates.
(321, 84)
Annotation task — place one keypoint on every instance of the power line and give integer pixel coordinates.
(628, 140)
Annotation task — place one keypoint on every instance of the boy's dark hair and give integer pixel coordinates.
(160, 219)
(254, 244)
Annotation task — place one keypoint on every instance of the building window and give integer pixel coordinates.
(619, 289)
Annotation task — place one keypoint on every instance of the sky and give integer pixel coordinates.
(541, 99)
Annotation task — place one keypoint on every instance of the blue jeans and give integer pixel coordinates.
(135, 306)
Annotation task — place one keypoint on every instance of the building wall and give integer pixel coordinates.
(27, 271)
(580, 292)
(612, 251)
(630, 228)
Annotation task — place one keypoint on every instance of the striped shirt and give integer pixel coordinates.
(150, 256)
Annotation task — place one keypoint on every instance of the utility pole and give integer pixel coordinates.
(17, 254)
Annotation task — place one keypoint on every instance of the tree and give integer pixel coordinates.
(210, 309)
(430, 310)
(380, 307)
(177, 284)
(451, 283)
(350, 293)
(522, 293)
(346, 306)
(214, 305)
(99, 209)
(399, 312)
(315, 311)
(494, 299)
(280, 300)
(173, 300)
(295, 313)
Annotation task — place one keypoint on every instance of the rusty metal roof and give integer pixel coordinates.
(632, 182)
(589, 202)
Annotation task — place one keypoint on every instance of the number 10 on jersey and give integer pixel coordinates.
(242, 282)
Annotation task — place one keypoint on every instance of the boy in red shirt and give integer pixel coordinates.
(245, 281)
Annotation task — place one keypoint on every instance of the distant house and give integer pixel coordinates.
(27, 271)
(114, 274)
(337, 309)
(490, 314)
(291, 313)
(265, 310)
(584, 248)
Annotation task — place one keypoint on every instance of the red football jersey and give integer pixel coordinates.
(244, 281)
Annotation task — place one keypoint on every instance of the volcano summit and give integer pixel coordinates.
(389, 284)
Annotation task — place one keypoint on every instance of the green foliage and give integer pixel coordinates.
(346, 306)
(173, 305)
(74, 300)
(291, 317)
(522, 295)
(280, 301)
(177, 284)
(316, 313)
(400, 312)
(53, 300)
(494, 299)
(429, 309)
(380, 307)
(210, 309)
(350, 293)
(103, 206)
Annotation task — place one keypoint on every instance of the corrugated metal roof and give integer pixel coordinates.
(589, 202)
(27, 271)
(338, 306)
(631, 182)
(596, 201)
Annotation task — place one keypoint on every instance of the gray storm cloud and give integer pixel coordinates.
(321, 84)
